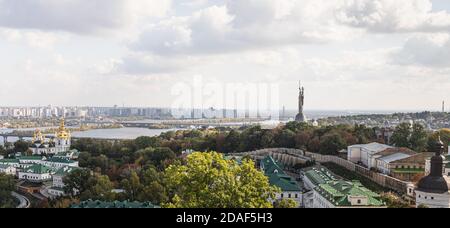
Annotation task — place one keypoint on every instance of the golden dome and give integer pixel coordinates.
(37, 136)
(62, 133)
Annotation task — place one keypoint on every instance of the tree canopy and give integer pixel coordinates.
(207, 180)
(7, 185)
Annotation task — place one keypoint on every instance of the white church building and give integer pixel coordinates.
(433, 191)
(60, 143)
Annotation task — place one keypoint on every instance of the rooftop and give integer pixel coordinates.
(35, 158)
(38, 169)
(340, 192)
(60, 160)
(277, 177)
(65, 170)
(284, 182)
(270, 166)
(394, 157)
(320, 175)
(9, 161)
(374, 147)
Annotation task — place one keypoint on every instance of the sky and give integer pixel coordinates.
(348, 54)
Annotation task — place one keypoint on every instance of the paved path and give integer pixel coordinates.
(45, 193)
(24, 201)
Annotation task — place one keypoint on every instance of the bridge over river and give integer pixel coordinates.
(190, 123)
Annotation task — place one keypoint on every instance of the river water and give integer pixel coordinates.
(118, 133)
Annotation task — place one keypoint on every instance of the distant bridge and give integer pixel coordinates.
(183, 124)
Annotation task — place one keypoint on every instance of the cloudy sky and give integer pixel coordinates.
(349, 54)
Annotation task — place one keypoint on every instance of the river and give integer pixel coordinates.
(117, 133)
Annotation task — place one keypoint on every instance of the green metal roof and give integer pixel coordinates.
(284, 182)
(9, 161)
(338, 193)
(38, 169)
(65, 170)
(277, 177)
(60, 160)
(115, 204)
(319, 175)
(271, 166)
(35, 158)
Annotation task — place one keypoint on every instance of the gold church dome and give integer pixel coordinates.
(38, 137)
(62, 133)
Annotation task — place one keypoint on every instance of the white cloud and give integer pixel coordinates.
(393, 15)
(78, 16)
(239, 25)
(35, 39)
(425, 50)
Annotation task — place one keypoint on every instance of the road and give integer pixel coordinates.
(24, 201)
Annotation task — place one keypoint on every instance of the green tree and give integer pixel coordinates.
(394, 201)
(207, 180)
(363, 134)
(153, 187)
(21, 146)
(400, 137)
(302, 139)
(232, 142)
(145, 142)
(433, 138)
(132, 186)
(7, 185)
(284, 203)
(2, 150)
(331, 144)
(77, 181)
(295, 126)
(101, 188)
(286, 138)
(251, 139)
(419, 138)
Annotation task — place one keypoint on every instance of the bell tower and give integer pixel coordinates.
(62, 138)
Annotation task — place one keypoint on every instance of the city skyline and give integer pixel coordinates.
(350, 55)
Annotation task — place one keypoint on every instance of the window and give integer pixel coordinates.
(432, 198)
(282, 195)
(359, 202)
(289, 196)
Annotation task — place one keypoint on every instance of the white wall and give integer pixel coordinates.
(296, 196)
(34, 177)
(8, 171)
(354, 154)
(432, 200)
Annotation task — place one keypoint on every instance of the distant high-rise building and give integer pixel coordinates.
(443, 106)
(301, 102)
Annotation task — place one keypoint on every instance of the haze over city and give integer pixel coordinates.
(225, 104)
(352, 54)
